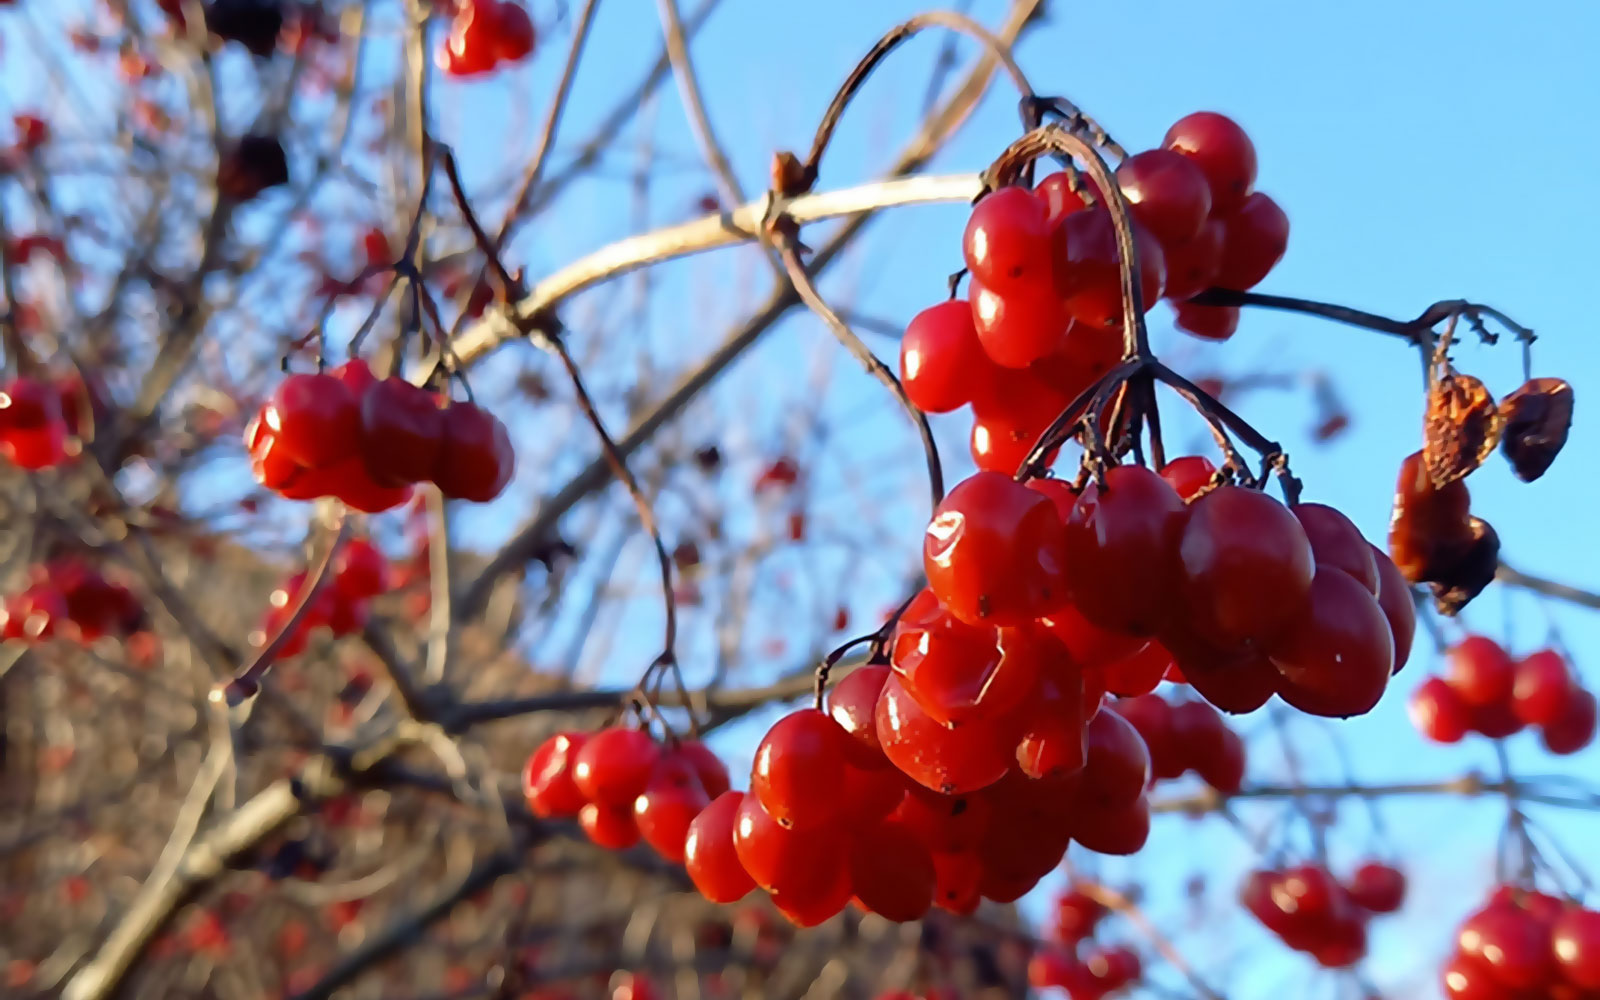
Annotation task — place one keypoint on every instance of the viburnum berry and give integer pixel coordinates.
(1206, 322)
(993, 552)
(891, 872)
(1118, 830)
(1117, 766)
(1061, 199)
(484, 33)
(1007, 242)
(1235, 681)
(1394, 597)
(547, 779)
(1542, 684)
(1223, 152)
(799, 767)
(1575, 728)
(948, 824)
(1192, 267)
(1575, 939)
(1167, 192)
(402, 428)
(316, 420)
(852, 703)
(710, 769)
(1438, 711)
(939, 355)
(1089, 273)
(1121, 544)
(1336, 656)
(775, 855)
(1190, 475)
(1377, 887)
(951, 761)
(1255, 239)
(959, 672)
(1337, 542)
(1054, 739)
(475, 460)
(669, 803)
(1138, 673)
(709, 855)
(1480, 671)
(957, 883)
(613, 766)
(361, 571)
(1513, 944)
(609, 826)
(1021, 327)
(1246, 565)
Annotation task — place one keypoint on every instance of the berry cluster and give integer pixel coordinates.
(1043, 313)
(1311, 911)
(1435, 539)
(484, 34)
(366, 440)
(40, 419)
(1187, 736)
(1251, 598)
(69, 598)
(1524, 943)
(1072, 962)
(1484, 691)
(360, 573)
(625, 787)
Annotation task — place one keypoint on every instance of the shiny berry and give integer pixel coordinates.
(1222, 151)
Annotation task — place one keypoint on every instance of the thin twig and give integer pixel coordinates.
(1548, 588)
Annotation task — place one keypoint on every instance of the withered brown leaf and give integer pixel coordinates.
(1475, 571)
(1461, 427)
(1537, 418)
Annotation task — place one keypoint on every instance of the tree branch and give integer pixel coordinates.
(1548, 588)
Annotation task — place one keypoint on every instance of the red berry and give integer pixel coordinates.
(613, 766)
(807, 904)
(315, 419)
(475, 459)
(852, 703)
(993, 552)
(951, 761)
(361, 571)
(1224, 769)
(1480, 671)
(349, 481)
(1117, 769)
(1377, 887)
(1255, 239)
(1207, 322)
(668, 804)
(547, 779)
(713, 773)
(1151, 716)
(938, 356)
(1192, 267)
(1512, 943)
(1438, 711)
(516, 36)
(799, 767)
(1120, 546)
(1576, 941)
(471, 48)
(1020, 327)
(957, 878)
(1189, 475)
(891, 872)
(609, 826)
(709, 855)
(1139, 673)
(1088, 272)
(1007, 241)
(1541, 687)
(1167, 193)
(1116, 830)
(776, 856)
(950, 824)
(1246, 565)
(1054, 738)
(959, 672)
(1234, 681)
(1496, 721)
(1336, 656)
(1222, 151)
(401, 430)
(1337, 542)
(1466, 977)
(1394, 597)
(1575, 729)
(1060, 200)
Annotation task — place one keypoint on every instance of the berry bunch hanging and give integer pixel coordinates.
(484, 34)
(1072, 961)
(1484, 691)
(1525, 943)
(69, 598)
(1043, 312)
(1312, 911)
(40, 420)
(360, 572)
(1188, 736)
(367, 441)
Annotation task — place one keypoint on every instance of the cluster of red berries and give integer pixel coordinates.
(1187, 736)
(1311, 911)
(1250, 597)
(1072, 962)
(41, 419)
(366, 440)
(69, 598)
(624, 787)
(1043, 314)
(1484, 691)
(485, 33)
(1524, 944)
(360, 573)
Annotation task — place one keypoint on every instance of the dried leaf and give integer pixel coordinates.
(1461, 428)
(1537, 418)
(1476, 569)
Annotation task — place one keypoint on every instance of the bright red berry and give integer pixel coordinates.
(613, 766)
(709, 855)
(1007, 241)
(475, 459)
(1480, 671)
(1255, 240)
(1222, 151)
(547, 780)
(993, 552)
(799, 768)
(1167, 192)
(1336, 656)
(938, 355)
(1246, 565)
(1541, 687)
(1121, 544)
(401, 431)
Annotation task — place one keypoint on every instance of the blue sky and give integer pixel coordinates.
(1422, 150)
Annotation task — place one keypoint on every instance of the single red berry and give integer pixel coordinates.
(1054, 740)
(959, 673)
(938, 355)
(1167, 193)
(1117, 769)
(475, 459)
(1337, 542)
(713, 773)
(1235, 681)
(709, 855)
(799, 767)
(891, 872)
(1466, 977)
(401, 431)
(1118, 830)
(516, 36)
(1255, 240)
(1020, 327)
(949, 824)
(1394, 597)
(774, 855)
(613, 766)
(1222, 151)
(1088, 272)
(1151, 716)
(1480, 671)
(1336, 656)
(361, 570)
(471, 48)
(957, 882)
(852, 703)
(1121, 544)
(1189, 475)
(315, 419)
(951, 761)
(1059, 197)
(350, 481)
(547, 779)
(807, 904)
(1224, 769)
(1377, 887)
(609, 826)
(1576, 942)
(1206, 322)
(1512, 943)
(1496, 721)
(1541, 687)
(1246, 565)
(1575, 729)
(993, 552)
(668, 804)
(1192, 266)
(1007, 241)
(1139, 673)
(1438, 711)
